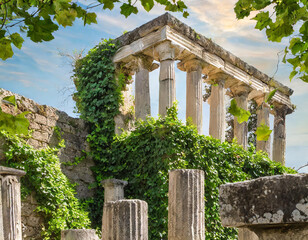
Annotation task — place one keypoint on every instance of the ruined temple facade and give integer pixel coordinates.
(168, 41)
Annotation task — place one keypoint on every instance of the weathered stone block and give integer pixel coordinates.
(271, 200)
(114, 189)
(40, 119)
(79, 234)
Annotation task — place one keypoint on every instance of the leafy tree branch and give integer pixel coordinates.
(39, 19)
(288, 19)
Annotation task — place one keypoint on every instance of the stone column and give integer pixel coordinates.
(142, 86)
(241, 129)
(217, 107)
(79, 234)
(263, 114)
(186, 205)
(114, 189)
(279, 141)
(10, 204)
(125, 219)
(274, 208)
(194, 98)
(166, 77)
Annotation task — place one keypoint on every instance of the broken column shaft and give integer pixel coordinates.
(125, 219)
(10, 204)
(186, 205)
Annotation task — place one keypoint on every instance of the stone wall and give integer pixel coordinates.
(46, 123)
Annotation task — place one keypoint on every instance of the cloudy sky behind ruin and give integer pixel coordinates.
(37, 71)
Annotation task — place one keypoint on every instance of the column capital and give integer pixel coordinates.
(191, 64)
(142, 61)
(136, 63)
(280, 110)
(165, 51)
(217, 78)
(240, 90)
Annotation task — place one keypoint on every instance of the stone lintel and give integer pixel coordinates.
(11, 171)
(230, 64)
(190, 35)
(274, 201)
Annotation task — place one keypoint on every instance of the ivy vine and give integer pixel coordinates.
(53, 191)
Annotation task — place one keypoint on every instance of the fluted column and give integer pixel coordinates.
(217, 107)
(263, 114)
(186, 205)
(279, 140)
(166, 77)
(142, 86)
(114, 189)
(240, 94)
(10, 204)
(125, 220)
(194, 99)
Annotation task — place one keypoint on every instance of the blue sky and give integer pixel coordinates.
(37, 71)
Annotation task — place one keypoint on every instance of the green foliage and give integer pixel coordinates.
(40, 19)
(241, 114)
(144, 157)
(13, 124)
(288, 16)
(54, 193)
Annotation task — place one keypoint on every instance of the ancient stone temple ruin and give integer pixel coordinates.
(163, 44)
(166, 40)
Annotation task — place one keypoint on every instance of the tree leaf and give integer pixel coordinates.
(108, 4)
(128, 9)
(263, 20)
(263, 132)
(147, 4)
(17, 40)
(66, 17)
(241, 114)
(5, 48)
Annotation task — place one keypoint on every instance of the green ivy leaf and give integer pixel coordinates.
(263, 132)
(241, 114)
(128, 9)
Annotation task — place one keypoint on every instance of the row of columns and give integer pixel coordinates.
(194, 68)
